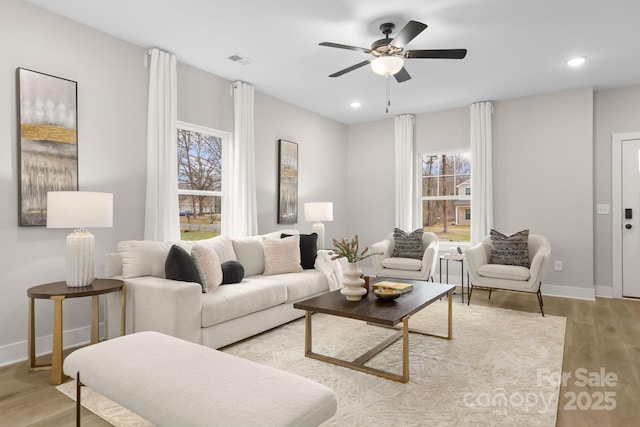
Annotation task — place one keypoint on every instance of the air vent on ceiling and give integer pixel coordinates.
(239, 59)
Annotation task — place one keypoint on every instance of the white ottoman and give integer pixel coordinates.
(172, 382)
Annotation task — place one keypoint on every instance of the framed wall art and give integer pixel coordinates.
(48, 141)
(287, 182)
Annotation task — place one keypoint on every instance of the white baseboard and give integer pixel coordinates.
(604, 291)
(568, 292)
(547, 289)
(17, 352)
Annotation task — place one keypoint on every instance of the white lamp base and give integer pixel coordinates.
(80, 266)
(318, 228)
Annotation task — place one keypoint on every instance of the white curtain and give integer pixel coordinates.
(404, 136)
(481, 173)
(161, 208)
(240, 214)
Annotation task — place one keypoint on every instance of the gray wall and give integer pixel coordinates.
(370, 182)
(112, 98)
(543, 180)
(321, 163)
(542, 157)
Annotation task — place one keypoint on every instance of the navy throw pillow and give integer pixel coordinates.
(180, 266)
(232, 272)
(308, 249)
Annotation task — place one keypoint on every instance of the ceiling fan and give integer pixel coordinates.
(388, 53)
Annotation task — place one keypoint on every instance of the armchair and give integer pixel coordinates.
(406, 268)
(509, 277)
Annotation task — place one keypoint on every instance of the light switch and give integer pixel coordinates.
(602, 209)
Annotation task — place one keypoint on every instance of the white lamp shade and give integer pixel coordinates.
(79, 209)
(387, 65)
(318, 211)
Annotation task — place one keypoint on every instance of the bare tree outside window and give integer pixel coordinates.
(199, 181)
(446, 199)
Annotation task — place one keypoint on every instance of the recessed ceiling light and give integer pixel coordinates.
(577, 61)
(356, 104)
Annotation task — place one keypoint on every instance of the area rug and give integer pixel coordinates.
(500, 368)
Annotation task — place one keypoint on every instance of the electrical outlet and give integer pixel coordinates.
(558, 266)
(602, 209)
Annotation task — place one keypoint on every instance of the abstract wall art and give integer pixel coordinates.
(48, 141)
(287, 182)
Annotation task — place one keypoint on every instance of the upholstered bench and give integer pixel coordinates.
(172, 382)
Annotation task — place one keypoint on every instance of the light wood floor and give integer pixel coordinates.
(601, 334)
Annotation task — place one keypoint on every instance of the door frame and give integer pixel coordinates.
(617, 139)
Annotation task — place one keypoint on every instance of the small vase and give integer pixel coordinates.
(353, 282)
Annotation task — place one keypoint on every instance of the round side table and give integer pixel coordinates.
(461, 259)
(57, 292)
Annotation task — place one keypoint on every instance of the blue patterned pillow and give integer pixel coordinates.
(510, 250)
(408, 245)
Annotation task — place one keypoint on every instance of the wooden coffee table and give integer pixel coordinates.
(377, 312)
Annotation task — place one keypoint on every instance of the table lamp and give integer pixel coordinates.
(79, 210)
(318, 212)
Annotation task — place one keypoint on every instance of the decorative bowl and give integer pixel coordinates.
(387, 294)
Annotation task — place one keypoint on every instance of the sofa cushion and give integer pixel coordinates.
(249, 296)
(408, 245)
(510, 250)
(508, 272)
(282, 256)
(408, 264)
(303, 285)
(223, 247)
(308, 249)
(208, 265)
(181, 266)
(250, 254)
(146, 257)
(232, 272)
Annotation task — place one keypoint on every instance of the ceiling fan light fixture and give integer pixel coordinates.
(387, 65)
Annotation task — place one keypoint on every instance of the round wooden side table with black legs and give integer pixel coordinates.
(58, 292)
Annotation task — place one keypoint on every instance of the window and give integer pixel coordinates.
(446, 195)
(200, 185)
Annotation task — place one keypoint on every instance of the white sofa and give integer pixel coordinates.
(229, 314)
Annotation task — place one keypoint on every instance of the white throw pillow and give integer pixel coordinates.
(223, 247)
(208, 265)
(250, 254)
(282, 256)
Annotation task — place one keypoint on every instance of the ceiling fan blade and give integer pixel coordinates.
(437, 53)
(402, 75)
(408, 33)
(353, 67)
(344, 46)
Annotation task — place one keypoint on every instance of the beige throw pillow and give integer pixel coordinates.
(208, 266)
(282, 255)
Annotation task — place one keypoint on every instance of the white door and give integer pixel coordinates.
(631, 218)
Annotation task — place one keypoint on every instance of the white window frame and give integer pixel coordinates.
(225, 138)
(445, 246)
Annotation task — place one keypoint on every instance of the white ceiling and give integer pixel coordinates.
(515, 47)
